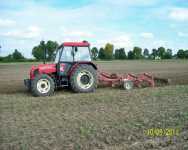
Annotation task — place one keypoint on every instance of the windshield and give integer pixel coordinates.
(65, 56)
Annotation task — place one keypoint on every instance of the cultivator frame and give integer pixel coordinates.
(139, 80)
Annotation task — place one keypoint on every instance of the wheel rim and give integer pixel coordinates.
(85, 79)
(128, 85)
(43, 86)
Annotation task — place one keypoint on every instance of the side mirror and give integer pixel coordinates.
(76, 49)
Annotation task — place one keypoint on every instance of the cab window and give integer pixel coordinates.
(67, 54)
(82, 54)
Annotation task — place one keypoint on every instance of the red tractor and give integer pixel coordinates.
(73, 68)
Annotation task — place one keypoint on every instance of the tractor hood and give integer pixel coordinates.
(48, 68)
(42, 69)
(45, 68)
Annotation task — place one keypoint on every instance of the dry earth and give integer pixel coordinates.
(107, 119)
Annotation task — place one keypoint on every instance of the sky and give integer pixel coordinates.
(125, 23)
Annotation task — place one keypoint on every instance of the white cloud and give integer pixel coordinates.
(76, 33)
(179, 14)
(122, 41)
(98, 22)
(131, 2)
(81, 34)
(6, 22)
(182, 34)
(119, 41)
(147, 35)
(29, 33)
(34, 29)
(160, 43)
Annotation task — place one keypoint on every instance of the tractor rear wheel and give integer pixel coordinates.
(42, 85)
(84, 79)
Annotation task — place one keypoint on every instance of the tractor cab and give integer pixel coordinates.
(70, 53)
(73, 52)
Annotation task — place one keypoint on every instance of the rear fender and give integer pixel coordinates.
(80, 63)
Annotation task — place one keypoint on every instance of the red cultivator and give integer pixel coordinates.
(128, 81)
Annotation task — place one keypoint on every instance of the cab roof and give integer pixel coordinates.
(81, 44)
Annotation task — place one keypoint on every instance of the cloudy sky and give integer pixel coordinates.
(125, 23)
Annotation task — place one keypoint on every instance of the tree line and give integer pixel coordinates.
(37, 52)
(104, 53)
(16, 56)
(108, 53)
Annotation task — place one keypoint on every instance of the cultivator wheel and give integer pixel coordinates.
(128, 85)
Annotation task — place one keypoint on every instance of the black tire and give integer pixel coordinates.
(27, 83)
(36, 90)
(92, 78)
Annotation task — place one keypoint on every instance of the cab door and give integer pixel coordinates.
(66, 60)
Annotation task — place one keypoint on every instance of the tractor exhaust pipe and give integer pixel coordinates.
(42, 43)
(45, 52)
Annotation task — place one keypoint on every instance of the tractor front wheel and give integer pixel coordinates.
(84, 79)
(42, 85)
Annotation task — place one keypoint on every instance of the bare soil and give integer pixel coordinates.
(107, 119)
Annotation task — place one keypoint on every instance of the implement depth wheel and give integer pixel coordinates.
(42, 85)
(84, 79)
(128, 85)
